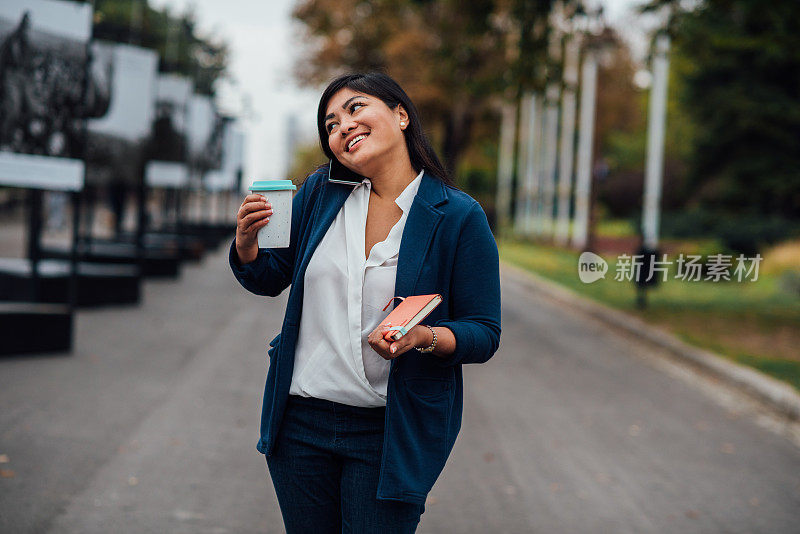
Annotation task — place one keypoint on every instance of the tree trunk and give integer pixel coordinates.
(457, 130)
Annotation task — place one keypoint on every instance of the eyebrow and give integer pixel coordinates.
(344, 106)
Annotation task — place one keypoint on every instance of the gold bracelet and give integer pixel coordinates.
(432, 346)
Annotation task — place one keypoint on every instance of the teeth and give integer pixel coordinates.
(355, 140)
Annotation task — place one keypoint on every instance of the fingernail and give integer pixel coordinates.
(394, 349)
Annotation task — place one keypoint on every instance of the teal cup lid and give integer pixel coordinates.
(272, 185)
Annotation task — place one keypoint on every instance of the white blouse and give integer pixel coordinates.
(343, 302)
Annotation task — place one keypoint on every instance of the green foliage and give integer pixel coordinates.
(738, 234)
(176, 38)
(743, 94)
(528, 70)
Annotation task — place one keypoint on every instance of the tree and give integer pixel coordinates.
(744, 91)
(741, 89)
(450, 56)
(176, 38)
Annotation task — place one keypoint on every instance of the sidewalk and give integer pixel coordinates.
(777, 395)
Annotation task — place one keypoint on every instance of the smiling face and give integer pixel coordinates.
(363, 131)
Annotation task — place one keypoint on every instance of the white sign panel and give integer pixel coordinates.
(133, 82)
(166, 174)
(37, 172)
(43, 101)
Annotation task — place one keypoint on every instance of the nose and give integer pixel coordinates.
(348, 124)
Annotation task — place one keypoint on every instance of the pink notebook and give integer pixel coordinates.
(409, 314)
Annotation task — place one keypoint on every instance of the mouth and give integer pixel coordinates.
(356, 141)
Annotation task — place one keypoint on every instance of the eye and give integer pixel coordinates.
(354, 105)
(329, 126)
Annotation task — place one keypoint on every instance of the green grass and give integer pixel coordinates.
(753, 323)
(615, 228)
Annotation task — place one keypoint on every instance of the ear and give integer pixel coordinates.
(401, 114)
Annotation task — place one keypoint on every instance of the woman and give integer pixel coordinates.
(355, 429)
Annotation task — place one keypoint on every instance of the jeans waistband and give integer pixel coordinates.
(330, 406)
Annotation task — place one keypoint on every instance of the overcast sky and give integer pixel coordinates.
(263, 39)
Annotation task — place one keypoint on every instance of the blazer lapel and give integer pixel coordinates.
(421, 224)
(423, 218)
(331, 201)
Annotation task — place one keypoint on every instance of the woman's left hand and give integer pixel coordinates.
(419, 336)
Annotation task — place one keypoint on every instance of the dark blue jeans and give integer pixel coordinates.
(325, 466)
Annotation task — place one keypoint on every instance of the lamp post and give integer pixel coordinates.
(655, 142)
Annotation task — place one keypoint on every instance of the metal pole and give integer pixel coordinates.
(550, 154)
(35, 240)
(655, 142)
(74, 257)
(533, 172)
(572, 51)
(505, 166)
(522, 163)
(583, 184)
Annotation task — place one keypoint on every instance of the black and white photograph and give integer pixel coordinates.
(118, 141)
(225, 178)
(167, 167)
(205, 134)
(43, 96)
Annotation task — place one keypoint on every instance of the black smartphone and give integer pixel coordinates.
(339, 174)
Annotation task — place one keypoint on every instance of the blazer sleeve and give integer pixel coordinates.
(474, 293)
(271, 272)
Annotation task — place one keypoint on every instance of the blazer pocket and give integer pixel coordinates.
(427, 388)
(426, 413)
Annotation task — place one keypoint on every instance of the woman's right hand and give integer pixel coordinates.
(253, 215)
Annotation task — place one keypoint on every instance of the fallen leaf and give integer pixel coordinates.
(7, 473)
(692, 514)
(132, 481)
(3, 458)
(727, 448)
(488, 457)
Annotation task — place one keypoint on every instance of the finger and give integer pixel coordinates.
(250, 207)
(379, 331)
(385, 334)
(255, 216)
(404, 344)
(254, 197)
(379, 342)
(258, 225)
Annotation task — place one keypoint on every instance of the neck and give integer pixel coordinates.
(392, 179)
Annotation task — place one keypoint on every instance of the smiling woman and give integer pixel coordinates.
(357, 428)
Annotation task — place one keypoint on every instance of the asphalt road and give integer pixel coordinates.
(151, 425)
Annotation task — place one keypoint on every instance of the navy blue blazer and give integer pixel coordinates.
(446, 248)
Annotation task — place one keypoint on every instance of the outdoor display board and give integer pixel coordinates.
(44, 99)
(117, 141)
(205, 134)
(168, 166)
(226, 178)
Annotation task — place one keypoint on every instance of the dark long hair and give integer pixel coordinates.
(382, 86)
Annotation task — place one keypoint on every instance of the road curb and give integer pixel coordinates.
(778, 395)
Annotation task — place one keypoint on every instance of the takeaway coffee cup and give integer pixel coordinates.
(278, 193)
